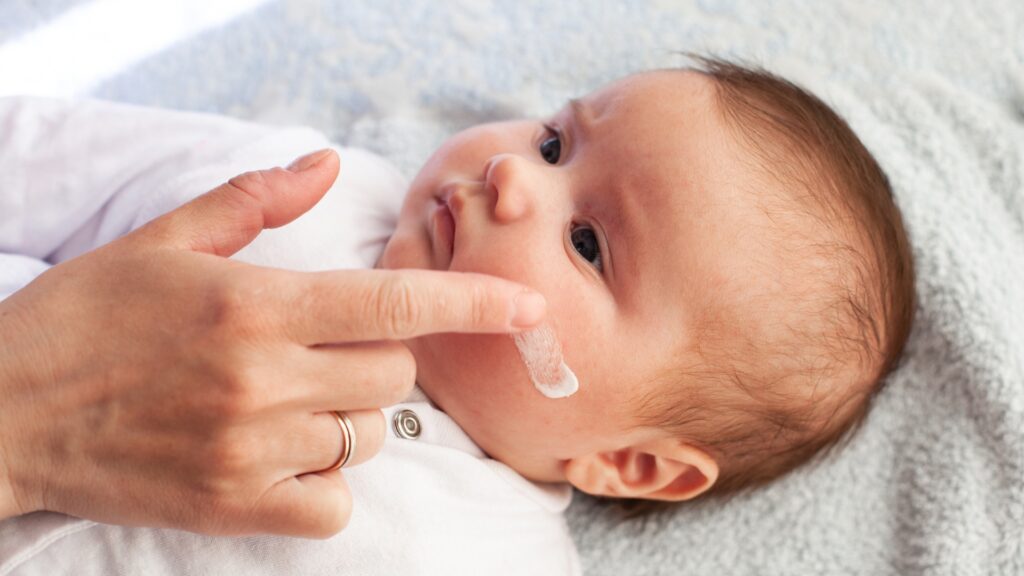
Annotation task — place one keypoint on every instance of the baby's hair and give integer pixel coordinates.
(766, 399)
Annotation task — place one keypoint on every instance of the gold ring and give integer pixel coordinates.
(348, 436)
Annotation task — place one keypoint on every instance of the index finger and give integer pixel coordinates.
(364, 305)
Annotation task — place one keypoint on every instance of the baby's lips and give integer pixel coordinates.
(444, 230)
(454, 197)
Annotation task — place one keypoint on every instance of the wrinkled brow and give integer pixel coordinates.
(581, 115)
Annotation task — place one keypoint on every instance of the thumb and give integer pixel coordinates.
(225, 219)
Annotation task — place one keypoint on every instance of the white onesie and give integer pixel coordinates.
(75, 175)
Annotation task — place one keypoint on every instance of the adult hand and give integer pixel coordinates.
(155, 382)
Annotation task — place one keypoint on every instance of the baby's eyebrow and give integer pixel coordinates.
(581, 115)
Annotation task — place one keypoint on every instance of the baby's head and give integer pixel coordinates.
(723, 264)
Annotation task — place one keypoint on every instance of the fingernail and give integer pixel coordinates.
(306, 162)
(528, 309)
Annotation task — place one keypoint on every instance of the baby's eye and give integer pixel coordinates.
(551, 146)
(584, 241)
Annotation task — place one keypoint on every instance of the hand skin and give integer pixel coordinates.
(155, 382)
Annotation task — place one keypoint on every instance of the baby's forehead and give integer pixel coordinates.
(658, 98)
(710, 223)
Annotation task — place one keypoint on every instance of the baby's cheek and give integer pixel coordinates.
(470, 375)
(405, 249)
(482, 384)
(487, 363)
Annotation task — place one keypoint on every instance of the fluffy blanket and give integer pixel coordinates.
(933, 482)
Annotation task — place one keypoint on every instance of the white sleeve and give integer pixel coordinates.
(76, 174)
(16, 271)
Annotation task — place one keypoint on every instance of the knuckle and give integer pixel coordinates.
(236, 396)
(402, 374)
(391, 375)
(226, 462)
(253, 184)
(480, 306)
(230, 303)
(395, 306)
(239, 307)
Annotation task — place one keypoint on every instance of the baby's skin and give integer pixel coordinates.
(627, 210)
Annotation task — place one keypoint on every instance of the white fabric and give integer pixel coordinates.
(76, 175)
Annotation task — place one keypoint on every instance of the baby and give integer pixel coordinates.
(728, 278)
(724, 267)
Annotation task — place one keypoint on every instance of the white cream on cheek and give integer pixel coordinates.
(542, 354)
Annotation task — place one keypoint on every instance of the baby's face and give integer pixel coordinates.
(624, 210)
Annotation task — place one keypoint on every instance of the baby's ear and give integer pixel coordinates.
(664, 469)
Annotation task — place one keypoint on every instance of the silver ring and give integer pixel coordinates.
(348, 435)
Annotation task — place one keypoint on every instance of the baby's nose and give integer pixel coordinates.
(509, 179)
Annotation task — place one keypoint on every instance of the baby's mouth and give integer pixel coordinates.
(443, 232)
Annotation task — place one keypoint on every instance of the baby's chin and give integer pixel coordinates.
(404, 250)
(452, 369)
(439, 371)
